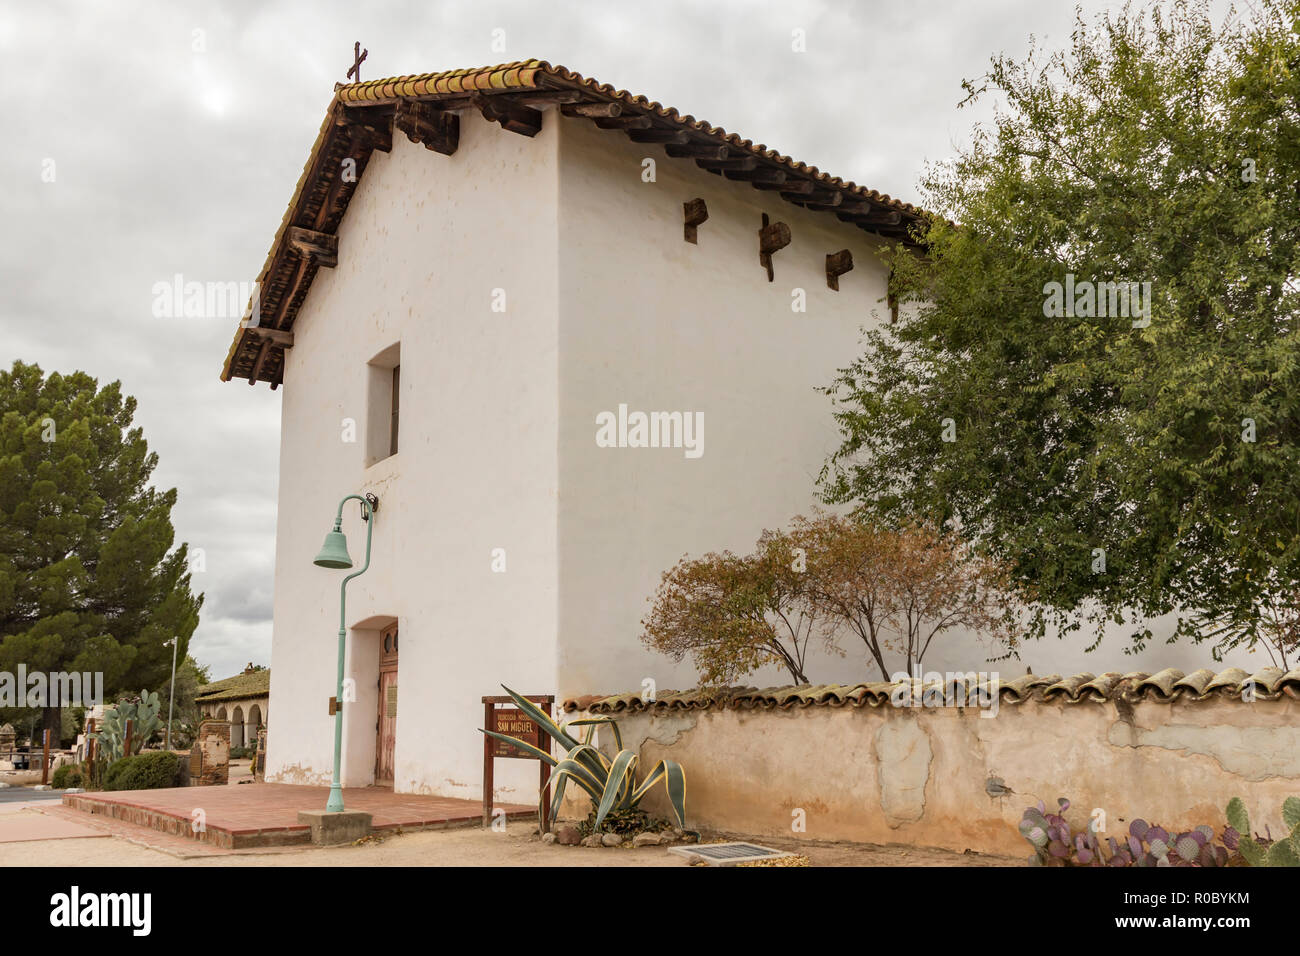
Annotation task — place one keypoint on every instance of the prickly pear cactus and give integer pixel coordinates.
(143, 715)
(1284, 851)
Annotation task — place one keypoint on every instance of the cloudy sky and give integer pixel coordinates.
(176, 132)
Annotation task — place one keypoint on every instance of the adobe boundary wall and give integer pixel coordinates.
(862, 769)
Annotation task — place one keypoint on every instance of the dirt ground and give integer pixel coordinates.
(517, 846)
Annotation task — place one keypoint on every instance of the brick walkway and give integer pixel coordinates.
(266, 814)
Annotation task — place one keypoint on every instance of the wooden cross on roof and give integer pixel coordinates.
(358, 55)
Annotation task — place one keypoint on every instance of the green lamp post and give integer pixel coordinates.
(334, 554)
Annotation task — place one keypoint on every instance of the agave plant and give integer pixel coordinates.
(611, 784)
(1281, 852)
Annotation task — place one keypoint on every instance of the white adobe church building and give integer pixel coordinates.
(476, 322)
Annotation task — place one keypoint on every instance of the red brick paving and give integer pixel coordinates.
(266, 814)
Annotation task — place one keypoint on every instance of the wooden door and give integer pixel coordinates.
(386, 724)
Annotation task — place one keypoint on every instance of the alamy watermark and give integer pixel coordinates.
(953, 689)
(626, 429)
(52, 689)
(1087, 299)
(181, 299)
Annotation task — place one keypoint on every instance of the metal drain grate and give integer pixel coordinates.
(727, 854)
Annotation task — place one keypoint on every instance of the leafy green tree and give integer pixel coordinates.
(1134, 454)
(89, 580)
(191, 677)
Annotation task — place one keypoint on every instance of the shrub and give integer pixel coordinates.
(69, 775)
(155, 770)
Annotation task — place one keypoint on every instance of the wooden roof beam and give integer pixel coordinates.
(262, 353)
(320, 246)
(541, 98)
(696, 150)
(523, 120)
(593, 110)
(658, 135)
(373, 125)
(433, 128)
(793, 187)
(624, 122)
(276, 337)
(761, 174)
(733, 162)
(879, 217)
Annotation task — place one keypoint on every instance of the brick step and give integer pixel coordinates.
(227, 838)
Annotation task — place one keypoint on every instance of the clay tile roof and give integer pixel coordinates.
(1166, 686)
(256, 684)
(360, 120)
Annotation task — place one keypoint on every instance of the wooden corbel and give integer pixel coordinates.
(319, 246)
(837, 263)
(523, 120)
(435, 129)
(771, 238)
(592, 110)
(696, 212)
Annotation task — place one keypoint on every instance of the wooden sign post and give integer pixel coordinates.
(45, 759)
(513, 722)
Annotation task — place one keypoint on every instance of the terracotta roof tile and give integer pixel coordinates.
(242, 360)
(1166, 686)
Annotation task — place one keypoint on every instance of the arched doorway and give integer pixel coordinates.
(236, 728)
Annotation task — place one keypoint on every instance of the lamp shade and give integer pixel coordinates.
(334, 552)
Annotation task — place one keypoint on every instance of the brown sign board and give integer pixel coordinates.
(513, 722)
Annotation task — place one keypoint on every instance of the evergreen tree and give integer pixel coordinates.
(89, 581)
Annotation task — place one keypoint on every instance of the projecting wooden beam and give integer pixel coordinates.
(763, 174)
(696, 151)
(879, 218)
(719, 165)
(542, 98)
(275, 336)
(523, 120)
(837, 263)
(625, 122)
(795, 187)
(593, 110)
(657, 135)
(319, 246)
(695, 213)
(374, 125)
(828, 200)
(771, 238)
(262, 353)
(433, 128)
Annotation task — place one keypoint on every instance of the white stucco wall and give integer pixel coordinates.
(659, 324)
(654, 322)
(426, 240)
(606, 304)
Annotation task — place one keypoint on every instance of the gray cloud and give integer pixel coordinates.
(175, 161)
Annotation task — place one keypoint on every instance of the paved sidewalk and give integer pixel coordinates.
(21, 822)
